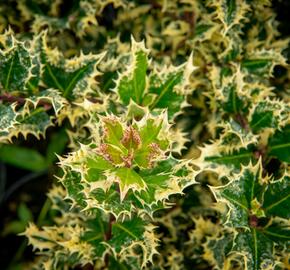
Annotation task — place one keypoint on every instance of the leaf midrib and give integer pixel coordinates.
(260, 120)
(54, 78)
(164, 91)
(9, 73)
(236, 202)
(279, 146)
(228, 157)
(69, 87)
(125, 230)
(276, 234)
(276, 203)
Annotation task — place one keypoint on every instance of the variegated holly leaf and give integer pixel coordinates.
(61, 244)
(166, 87)
(82, 16)
(268, 114)
(82, 237)
(229, 88)
(128, 170)
(72, 77)
(46, 97)
(34, 121)
(217, 250)
(131, 241)
(74, 238)
(255, 203)
(23, 121)
(132, 84)
(203, 30)
(230, 13)
(234, 148)
(128, 236)
(15, 64)
(263, 62)
(7, 121)
(279, 144)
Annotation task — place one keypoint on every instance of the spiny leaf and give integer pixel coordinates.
(166, 87)
(124, 233)
(239, 194)
(261, 62)
(7, 120)
(216, 249)
(256, 64)
(201, 29)
(230, 12)
(132, 84)
(35, 121)
(15, 64)
(132, 234)
(277, 198)
(233, 104)
(129, 179)
(256, 248)
(72, 77)
(230, 151)
(252, 199)
(65, 240)
(116, 172)
(268, 114)
(49, 96)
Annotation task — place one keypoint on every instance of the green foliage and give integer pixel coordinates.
(258, 207)
(175, 131)
(22, 157)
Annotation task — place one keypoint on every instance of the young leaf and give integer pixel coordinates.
(117, 172)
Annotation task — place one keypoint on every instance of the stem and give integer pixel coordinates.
(23, 180)
(242, 121)
(9, 98)
(108, 236)
(21, 101)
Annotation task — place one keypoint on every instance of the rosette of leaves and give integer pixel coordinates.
(128, 168)
(258, 212)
